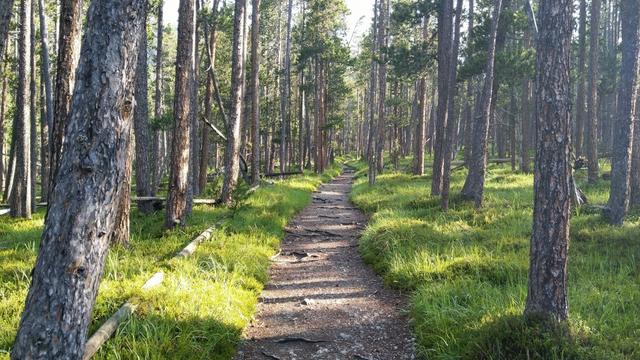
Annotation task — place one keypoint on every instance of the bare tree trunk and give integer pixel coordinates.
(469, 107)
(422, 113)
(68, 54)
(120, 234)
(526, 118)
(142, 128)
(6, 10)
(47, 121)
(159, 142)
(3, 101)
(635, 161)
(255, 91)
(580, 100)
(627, 88)
(445, 18)
(474, 184)
(383, 39)
(76, 234)
(20, 197)
(451, 123)
(547, 296)
(371, 144)
(178, 204)
(592, 96)
(33, 114)
(285, 104)
(232, 155)
(194, 166)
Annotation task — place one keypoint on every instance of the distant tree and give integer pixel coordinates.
(255, 91)
(232, 151)
(6, 10)
(20, 197)
(591, 141)
(580, 97)
(178, 204)
(627, 91)
(82, 211)
(547, 295)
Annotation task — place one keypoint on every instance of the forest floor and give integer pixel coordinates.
(323, 301)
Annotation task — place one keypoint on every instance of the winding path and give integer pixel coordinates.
(323, 302)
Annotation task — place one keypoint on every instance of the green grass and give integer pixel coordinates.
(204, 303)
(467, 269)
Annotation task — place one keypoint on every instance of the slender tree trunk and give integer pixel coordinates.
(6, 10)
(76, 234)
(33, 99)
(178, 204)
(445, 19)
(526, 118)
(592, 96)
(422, 113)
(47, 121)
(469, 115)
(20, 197)
(3, 101)
(232, 155)
(194, 166)
(255, 91)
(142, 128)
(371, 144)
(627, 87)
(580, 98)
(71, 12)
(285, 93)
(450, 129)
(547, 296)
(159, 141)
(474, 184)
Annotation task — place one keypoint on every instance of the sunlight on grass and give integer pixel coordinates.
(467, 269)
(205, 301)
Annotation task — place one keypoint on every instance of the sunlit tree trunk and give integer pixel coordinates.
(255, 91)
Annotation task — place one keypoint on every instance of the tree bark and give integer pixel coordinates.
(178, 204)
(526, 118)
(627, 88)
(592, 96)
(474, 184)
(422, 113)
(6, 10)
(83, 204)
(547, 295)
(232, 155)
(33, 113)
(285, 104)
(159, 141)
(142, 128)
(635, 156)
(580, 98)
(47, 121)
(71, 12)
(255, 91)
(20, 197)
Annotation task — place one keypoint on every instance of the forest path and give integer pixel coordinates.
(323, 301)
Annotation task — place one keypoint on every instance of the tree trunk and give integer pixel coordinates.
(178, 204)
(83, 204)
(635, 161)
(445, 18)
(422, 113)
(285, 93)
(194, 76)
(255, 91)
(33, 113)
(142, 128)
(20, 197)
(3, 101)
(526, 118)
(159, 141)
(451, 123)
(371, 144)
(547, 296)
(47, 121)
(382, 84)
(120, 234)
(469, 115)
(592, 96)
(232, 155)
(71, 12)
(474, 184)
(627, 87)
(6, 10)
(580, 100)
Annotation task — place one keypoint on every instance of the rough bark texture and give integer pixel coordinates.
(120, 234)
(47, 106)
(20, 197)
(68, 55)
(255, 92)
(159, 141)
(623, 128)
(142, 128)
(526, 119)
(474, 184)
(83, 204)
(179, 187)
(547, 296)
(445, 19)
(232, 155)
(591, 141)
(33, 113)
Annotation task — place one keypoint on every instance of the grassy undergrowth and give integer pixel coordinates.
(205, 301)
(467, 269)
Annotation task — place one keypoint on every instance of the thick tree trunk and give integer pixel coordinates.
(232, 151)
(474, 184)
(142, 128)
(178, 204)
(20, 197)
(627, 88)
(592, 96)
(547, 296)
(445, 19)
(83, 204)
(71, 12)
(255, 92)
(635, 161)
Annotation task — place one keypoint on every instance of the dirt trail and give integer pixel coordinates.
(323, 302)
